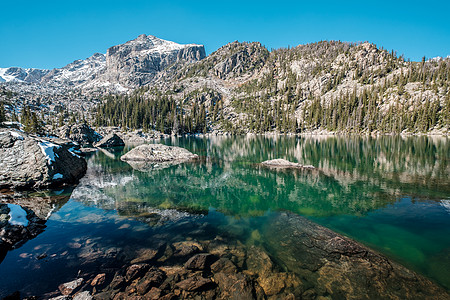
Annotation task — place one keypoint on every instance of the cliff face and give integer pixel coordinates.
(138, 61)
(128, 65)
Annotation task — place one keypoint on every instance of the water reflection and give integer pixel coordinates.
(356, 175)
(358, 188)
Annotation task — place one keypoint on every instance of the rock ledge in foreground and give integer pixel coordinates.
(158, 153)
(32, 162)
(282, 163)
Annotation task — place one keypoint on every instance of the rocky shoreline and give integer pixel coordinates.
(313, 263)
(32, 162)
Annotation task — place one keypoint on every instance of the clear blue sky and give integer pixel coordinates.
(48, 34)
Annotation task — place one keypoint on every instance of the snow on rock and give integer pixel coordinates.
(16, 135)
(18, 216)
(57, 176)
(48, 150)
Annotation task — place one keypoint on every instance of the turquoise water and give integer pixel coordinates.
(390, 193)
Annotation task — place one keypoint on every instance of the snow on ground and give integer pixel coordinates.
(75, 152)
(16, 135)
(18, 216)
(57, 176)
(5, 77)
(48, 150)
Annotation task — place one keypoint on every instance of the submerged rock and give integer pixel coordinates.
(282, 163)
(158, 153)
(32, 162)
(111, 140)
(338, 267)
(195, 283)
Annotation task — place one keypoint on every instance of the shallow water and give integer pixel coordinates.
(389, 193)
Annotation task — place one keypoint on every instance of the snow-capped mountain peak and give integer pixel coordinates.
(128, 65)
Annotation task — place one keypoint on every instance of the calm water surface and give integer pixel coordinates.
(390, 193)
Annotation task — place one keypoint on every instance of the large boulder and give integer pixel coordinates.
(80, 133)
(111, 140)
(32, 162)
(285, 164)
(158, 153)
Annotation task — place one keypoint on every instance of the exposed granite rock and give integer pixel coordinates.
(80, 133)
(138, 61)
(133, 136)
(282, 163)
(111, 140)
(69, 287)
(149, 156)
(53, 162)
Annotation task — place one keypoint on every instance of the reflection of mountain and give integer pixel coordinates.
(356, 175)
(387, 161)
(103, 177)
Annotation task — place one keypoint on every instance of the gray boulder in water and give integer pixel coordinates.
(282, 163)
(28, 162)
(80, 133)
(111, 140)
(158, 153)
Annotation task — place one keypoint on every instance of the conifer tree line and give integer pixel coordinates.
(152, 110)
(380, 100)
(31, 121)
(281, 100)
(2, 113)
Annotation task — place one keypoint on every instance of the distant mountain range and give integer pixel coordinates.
(129, 65)
(328, 86)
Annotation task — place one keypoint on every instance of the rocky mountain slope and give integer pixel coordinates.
(328, 86)
(77, 87)
(325, 86)
(127, 65)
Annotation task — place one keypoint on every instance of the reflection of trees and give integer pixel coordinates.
(356, 175)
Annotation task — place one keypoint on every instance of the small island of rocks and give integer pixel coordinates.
(150, 157)
(285, 164)
(158, 153)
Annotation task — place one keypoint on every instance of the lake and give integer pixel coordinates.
(389, 193)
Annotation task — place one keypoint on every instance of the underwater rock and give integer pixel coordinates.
(235, 286)
(195, 283)
(153, 278)
(200, 262)
(340, 267)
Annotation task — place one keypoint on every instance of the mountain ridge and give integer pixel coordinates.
(327, 86)
(105, 69)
